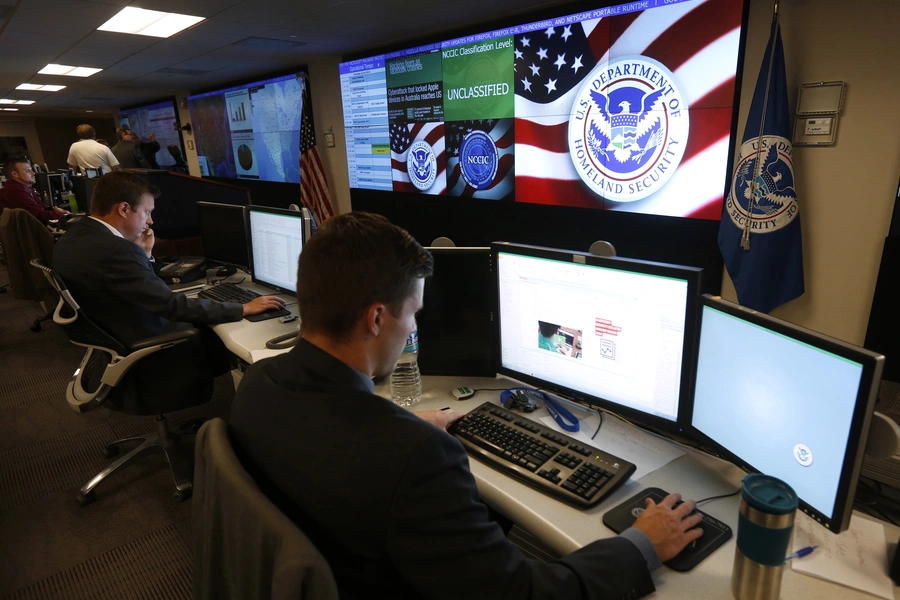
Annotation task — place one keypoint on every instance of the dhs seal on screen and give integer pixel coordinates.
(478, 159)
(421, 164)
(628, 128)
(763, 192)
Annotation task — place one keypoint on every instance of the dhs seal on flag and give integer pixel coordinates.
(421, 164)
(478, 159)
(770, 186)
(628, 129)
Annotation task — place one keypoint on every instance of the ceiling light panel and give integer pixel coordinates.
(40, 88)
(53, 69)
(139, 21)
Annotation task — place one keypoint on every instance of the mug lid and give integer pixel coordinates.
(768, 494)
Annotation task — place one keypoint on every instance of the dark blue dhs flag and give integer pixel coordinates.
(760, 232)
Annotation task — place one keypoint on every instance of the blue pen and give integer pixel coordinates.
(801, 553)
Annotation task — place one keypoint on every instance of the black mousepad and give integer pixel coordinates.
(715, 532)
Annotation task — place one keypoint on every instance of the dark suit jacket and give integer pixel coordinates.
(389, 499)
(111, 278)
(130, 155)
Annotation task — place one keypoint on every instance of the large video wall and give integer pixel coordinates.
(625, 108)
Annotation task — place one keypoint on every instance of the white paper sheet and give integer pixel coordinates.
(856, 558)
(647, 452)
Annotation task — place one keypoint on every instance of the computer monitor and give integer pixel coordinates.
(223, 231)
(456, 330)
(276, 238)
(609, 332)
(778, 399)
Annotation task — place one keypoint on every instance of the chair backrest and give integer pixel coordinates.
(244, 546)
(25, 238)
(68, 315)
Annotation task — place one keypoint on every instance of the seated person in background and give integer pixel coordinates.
(105, 260)
(18, 192)
(385, 494)
(128, 152)
(87, 153)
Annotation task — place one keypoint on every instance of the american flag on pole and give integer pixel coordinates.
(403, 135)
(501, 132)
(551, 66)
(313, 185)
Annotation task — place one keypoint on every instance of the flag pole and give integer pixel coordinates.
(757, 169)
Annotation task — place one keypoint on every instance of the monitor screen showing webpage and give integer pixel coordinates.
(276, 239)
(614, 334)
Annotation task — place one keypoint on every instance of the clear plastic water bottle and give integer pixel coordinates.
(406, 382)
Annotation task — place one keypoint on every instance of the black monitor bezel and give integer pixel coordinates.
(273, 211)
(873, 365)
(200, 208)
(692, 275)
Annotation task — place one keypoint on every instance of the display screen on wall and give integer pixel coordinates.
(250, 131)
(159, 119)
(626, 107)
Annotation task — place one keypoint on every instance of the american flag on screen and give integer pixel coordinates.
(313, 185)
(551, 66)
(501, 131)
(403, 136)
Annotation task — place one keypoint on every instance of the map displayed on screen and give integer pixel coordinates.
(250, 131)
(627, 107)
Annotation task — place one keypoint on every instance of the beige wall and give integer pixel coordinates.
(23, 126)
(846, 191)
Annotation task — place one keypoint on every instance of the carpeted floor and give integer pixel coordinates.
(134, 541)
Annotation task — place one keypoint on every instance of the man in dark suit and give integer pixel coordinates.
(105, 260)
(128, 152)
(386, 494)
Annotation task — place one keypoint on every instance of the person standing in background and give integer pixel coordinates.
(87, 153)
(127, 151)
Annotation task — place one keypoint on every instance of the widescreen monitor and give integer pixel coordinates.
(786, 401)
(608, 332)
(223, 231)
(250, 131)
(627, 106)
(456, 329)
(276, 237)
(161, 119)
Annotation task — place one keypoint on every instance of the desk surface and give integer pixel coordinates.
(563, 528)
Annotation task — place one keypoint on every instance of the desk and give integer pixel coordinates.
(564, 529)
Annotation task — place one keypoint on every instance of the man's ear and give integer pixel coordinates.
(375, 319)
(122, 209)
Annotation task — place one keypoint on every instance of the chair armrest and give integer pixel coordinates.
(165, 338)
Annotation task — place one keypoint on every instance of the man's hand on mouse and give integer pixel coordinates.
(670, 529)
(262, 304)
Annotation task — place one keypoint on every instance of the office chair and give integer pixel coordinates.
(180, 165)
(244, 546)
(102, 371)
(602, 248)
(23, 238)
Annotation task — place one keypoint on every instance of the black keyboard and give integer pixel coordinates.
(229, 292)
(554, 463)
